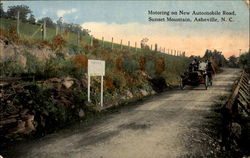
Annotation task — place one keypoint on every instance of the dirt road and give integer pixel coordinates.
(165, 126)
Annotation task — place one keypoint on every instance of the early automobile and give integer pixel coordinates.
(196, 76)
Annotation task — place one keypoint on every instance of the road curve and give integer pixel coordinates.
(154, 128)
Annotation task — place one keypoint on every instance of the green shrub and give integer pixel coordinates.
(11, 67)
(33, 65)
(150, 68)
(118, 79)
(130, 65)
(58, 67)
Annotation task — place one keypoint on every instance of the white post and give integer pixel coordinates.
(128, 45)
(89, 88)
(135, 47)
(101, 91)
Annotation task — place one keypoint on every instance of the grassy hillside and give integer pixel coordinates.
(27, 30)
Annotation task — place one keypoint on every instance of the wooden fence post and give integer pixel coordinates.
(18, 23)
(78, 38)
(112, 45)
(121, 44)
(44, 30)
(91, 40)
(102, 41)
(135, 47)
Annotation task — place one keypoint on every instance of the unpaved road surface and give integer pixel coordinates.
(164, 126)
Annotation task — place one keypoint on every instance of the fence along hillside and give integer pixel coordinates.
(36, 31)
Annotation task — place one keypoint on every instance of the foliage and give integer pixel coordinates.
(31, 19)
(11, 67)
(159, 65)
(215, 56)
(118, 64)
(130, 65)
(144, 42)
(58, 43)
(142, 62)
(150, 68)
(233, 61)
(119, 80)
(109, 84)
(96, 43)
(2, 13)
(245, 60)
(58, 67)
(81, 61)
(49, 22)
(12, 34)
(22, 9)
(33, 65)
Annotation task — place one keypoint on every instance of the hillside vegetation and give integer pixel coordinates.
(56, 94)
(32, 32)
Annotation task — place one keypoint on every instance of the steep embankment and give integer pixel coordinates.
(54, 93)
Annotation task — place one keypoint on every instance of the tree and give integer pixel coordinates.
(207, 54)
(244, 60)
(144, 42)
(233, 61)
(32, 19)
(23, 10)
(49, 22)
(217, 57)
(2, 13)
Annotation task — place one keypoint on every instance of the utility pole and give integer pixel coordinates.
(239, 52)
(128, 45)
